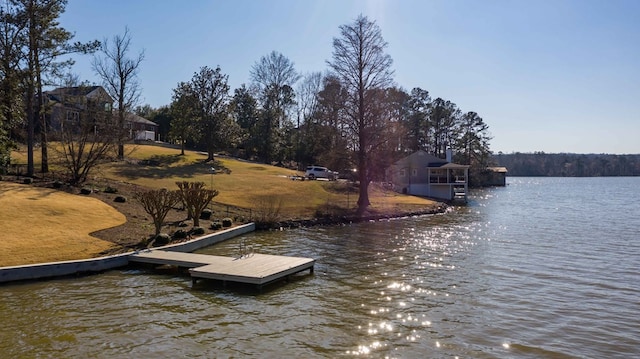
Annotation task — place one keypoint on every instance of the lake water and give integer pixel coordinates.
(542, 268)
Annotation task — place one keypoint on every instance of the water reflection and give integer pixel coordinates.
(506, 276)
(389, 288)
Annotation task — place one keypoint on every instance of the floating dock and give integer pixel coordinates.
(258, 269)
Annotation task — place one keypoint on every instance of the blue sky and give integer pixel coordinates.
(545, 75)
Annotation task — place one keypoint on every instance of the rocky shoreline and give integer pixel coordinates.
(348, 219)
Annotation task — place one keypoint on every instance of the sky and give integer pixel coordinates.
(558, 76)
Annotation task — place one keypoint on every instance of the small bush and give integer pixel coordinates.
(197, 231)
(161, 240)
(57, 184)
(227, 222)
(27, 180)
(206, 214)
(268, 209)
(111, 190)
(180, 234)
(182, 224)
(85, 190)
(120, 199)
(215, 225)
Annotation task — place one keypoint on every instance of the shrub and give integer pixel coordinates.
(157, 203)
(227, 222)
(161, 239)
(197, 231)
(215, 225)
(206, 214)
(268, 209)
(110, 190)
(182, 224)
(57, 184)
(120, 199)
(85, 190)
(27, 180)
(180, 234)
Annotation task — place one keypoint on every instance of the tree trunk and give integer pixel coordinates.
(44, 165)
(210, 153)
(122, 131)
(30, 133)
(120, 151)
(157, 222)
(31, 90)
(363, 198)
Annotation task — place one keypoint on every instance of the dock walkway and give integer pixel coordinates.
(258, 269)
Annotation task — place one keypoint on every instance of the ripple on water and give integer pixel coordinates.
(540, 269)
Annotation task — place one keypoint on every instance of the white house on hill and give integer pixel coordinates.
(422, 174)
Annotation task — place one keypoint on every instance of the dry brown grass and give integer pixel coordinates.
(244, 184)
(46, 225)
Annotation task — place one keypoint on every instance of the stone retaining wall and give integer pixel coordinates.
(94, 265)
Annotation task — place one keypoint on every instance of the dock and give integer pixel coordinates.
(258, 269)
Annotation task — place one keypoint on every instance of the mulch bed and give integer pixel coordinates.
(137, 232)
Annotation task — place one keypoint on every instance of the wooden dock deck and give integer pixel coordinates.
(259, 269)
(178, 259)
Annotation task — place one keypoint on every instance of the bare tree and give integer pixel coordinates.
(119, 76)
(362, 66)
(307, 95)
(307, 104)
(195, 197)
(86, 137)
(274, 75)
(325, 138)
(274, 69)
(40, 41)
(157, 203)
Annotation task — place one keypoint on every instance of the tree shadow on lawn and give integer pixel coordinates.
(21, 188)
(158, 167)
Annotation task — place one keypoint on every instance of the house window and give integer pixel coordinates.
(438, 176)
(414, 172)
(402, 173)
(73, 116)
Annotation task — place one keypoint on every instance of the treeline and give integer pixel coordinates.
(568, 164)
(351, 116)
(340, 118)
(312, 125)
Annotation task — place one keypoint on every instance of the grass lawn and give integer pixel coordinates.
(46, 225)
(247, 184)
(60, 223)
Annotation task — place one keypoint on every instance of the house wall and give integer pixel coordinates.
(55, 117)
(425, 190)
(442, 192)
(421, 189)
(495, 179)
(145, 135)
(413, 174)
